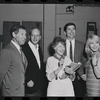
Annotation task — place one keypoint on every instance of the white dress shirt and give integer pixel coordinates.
(35, 52)
(68, 48)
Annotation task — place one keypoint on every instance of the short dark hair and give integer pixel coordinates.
(15, 28)
(56, 40)
(30, 32)
(68, 24)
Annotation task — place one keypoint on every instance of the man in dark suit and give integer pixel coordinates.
(13, 64)
(74, 50)
(35, 81)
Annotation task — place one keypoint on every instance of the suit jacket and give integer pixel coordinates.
(12, 72)
(78, 56)
(33, 72)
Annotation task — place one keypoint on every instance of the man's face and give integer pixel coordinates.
(70, 32)
(35, 36)
(20, 37)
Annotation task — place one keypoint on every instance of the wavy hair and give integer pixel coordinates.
(57, 40)
(68, 24)
(87, 47)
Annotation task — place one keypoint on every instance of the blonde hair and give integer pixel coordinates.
(92, 37)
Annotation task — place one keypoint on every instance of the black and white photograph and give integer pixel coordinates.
(49, 50)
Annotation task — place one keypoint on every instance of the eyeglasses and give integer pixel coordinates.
(35, 35)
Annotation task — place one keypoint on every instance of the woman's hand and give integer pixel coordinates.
(68, 70)
(30, 83)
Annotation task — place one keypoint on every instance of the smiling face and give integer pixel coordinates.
(35, 36)
(94, 45)
(20, 37)
(59, 49)
(70, 32)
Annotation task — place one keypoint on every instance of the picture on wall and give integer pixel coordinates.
(70, 9)
(91, 29)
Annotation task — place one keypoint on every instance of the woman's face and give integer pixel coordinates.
(94, 45)
(59, 49)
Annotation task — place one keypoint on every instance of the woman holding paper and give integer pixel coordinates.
(93, 66)
(56, 66)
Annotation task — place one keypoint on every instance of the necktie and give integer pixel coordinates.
(71, 55)
(23, 57)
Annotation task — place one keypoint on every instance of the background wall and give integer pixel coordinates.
(20, 12)
(52, 18)
(81, 15)
(31, 12)
(49, 27)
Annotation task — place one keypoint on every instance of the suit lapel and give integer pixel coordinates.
(65, 53)
(15, 49)
(33, 54)
(76, 50)
(18, 53)
(26, 62)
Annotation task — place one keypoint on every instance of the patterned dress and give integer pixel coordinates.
(92, 83)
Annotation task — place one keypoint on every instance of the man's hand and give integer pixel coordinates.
(30, 83)
(83, 77)
(72, 77)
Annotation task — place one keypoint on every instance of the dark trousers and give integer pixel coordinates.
(39, 93)
(79, 87)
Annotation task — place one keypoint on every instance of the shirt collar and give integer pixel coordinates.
(16, 45)
(31, 44)
(73, 41)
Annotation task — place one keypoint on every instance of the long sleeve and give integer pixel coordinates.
(4, 64)
(81, 70)
(48, 69)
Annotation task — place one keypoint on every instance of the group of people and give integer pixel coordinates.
(23, 72)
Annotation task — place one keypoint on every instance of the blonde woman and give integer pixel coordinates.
(93, 66)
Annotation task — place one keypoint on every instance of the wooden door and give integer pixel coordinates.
(6, 31)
